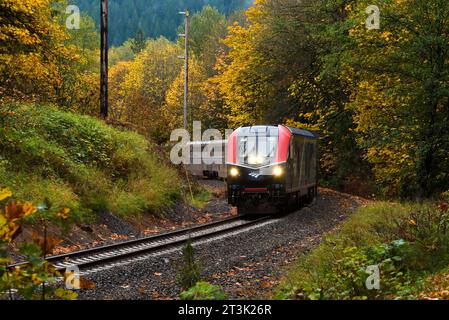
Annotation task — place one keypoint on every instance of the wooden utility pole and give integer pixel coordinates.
(186, 64)
(104, 60)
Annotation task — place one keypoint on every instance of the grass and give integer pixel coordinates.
(201, 198)
(408, 243)
(80, 162)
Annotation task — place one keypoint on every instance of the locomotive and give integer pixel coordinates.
(271, 168)
(217, 166)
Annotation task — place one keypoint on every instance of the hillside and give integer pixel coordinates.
(80, 162)
(154, 17)
(384, 250)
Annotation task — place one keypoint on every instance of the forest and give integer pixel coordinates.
(378, 98)
(153, 18)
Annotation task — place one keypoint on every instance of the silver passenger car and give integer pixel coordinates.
(208, 163)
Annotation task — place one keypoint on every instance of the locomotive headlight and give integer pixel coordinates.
(278, 171)
(234, 172)
(256, 160)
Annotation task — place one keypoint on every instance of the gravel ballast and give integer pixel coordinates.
(247, 265)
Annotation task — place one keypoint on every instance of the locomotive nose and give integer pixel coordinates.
(254, 175)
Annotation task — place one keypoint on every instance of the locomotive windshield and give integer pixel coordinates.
(257, 146)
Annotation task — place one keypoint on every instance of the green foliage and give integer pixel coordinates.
(277, 71)
(81, 162)
(203, 291)
(28, 279)
(315, 65)
(189, 272)
(207, 29)
(79, 87)
(37, 279)
(155, 18)
(142, 84)
(406, 242)
(138, 42)
(121, 53)
(201, 198)
(400, 80)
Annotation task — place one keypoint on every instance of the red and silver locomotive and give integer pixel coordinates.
(270, 168)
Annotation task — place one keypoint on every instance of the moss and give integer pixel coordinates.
(81, 162)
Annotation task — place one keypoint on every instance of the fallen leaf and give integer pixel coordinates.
(86, 284)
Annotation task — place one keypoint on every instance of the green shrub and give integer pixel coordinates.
(201, 197)
(37, 279)
(81, 162)
(406, 242)
(203, 291)
(189, 271)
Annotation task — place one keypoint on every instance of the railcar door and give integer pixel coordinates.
(291, 165)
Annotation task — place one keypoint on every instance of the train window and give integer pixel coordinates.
(292, 150)
(257, 146)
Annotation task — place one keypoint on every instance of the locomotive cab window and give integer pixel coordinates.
(257, 146)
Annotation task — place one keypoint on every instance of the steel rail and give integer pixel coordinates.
(103, 255)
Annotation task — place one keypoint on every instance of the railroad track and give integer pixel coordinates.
(97, 258)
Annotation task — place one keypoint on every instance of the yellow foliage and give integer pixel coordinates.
(64, 213)
(32, 47)
(174, 97)
(5, 193)
(12, 215)
(139, 87)
(15, 210)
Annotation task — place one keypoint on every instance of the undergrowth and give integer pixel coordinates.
(81, 162)
(406, 242)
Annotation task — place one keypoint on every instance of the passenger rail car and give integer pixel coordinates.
(217, 167)
(270, 168)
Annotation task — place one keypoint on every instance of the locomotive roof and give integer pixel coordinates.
(294, 131)
(301, 132)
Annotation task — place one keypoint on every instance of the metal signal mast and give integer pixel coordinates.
(186, 63)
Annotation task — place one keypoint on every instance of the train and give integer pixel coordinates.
(214, 169)
(268, 168)
(271, 168)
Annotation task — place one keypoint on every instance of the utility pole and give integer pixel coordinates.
(104, 60)
(186, 63)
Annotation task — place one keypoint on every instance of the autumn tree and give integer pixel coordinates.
(201, 106)
(80, 83)
(401, 93)
(138, 42)
(142, 92)
(207, 29)
(41, 60)
(31, 47)
(117, 93)
(283, 67)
